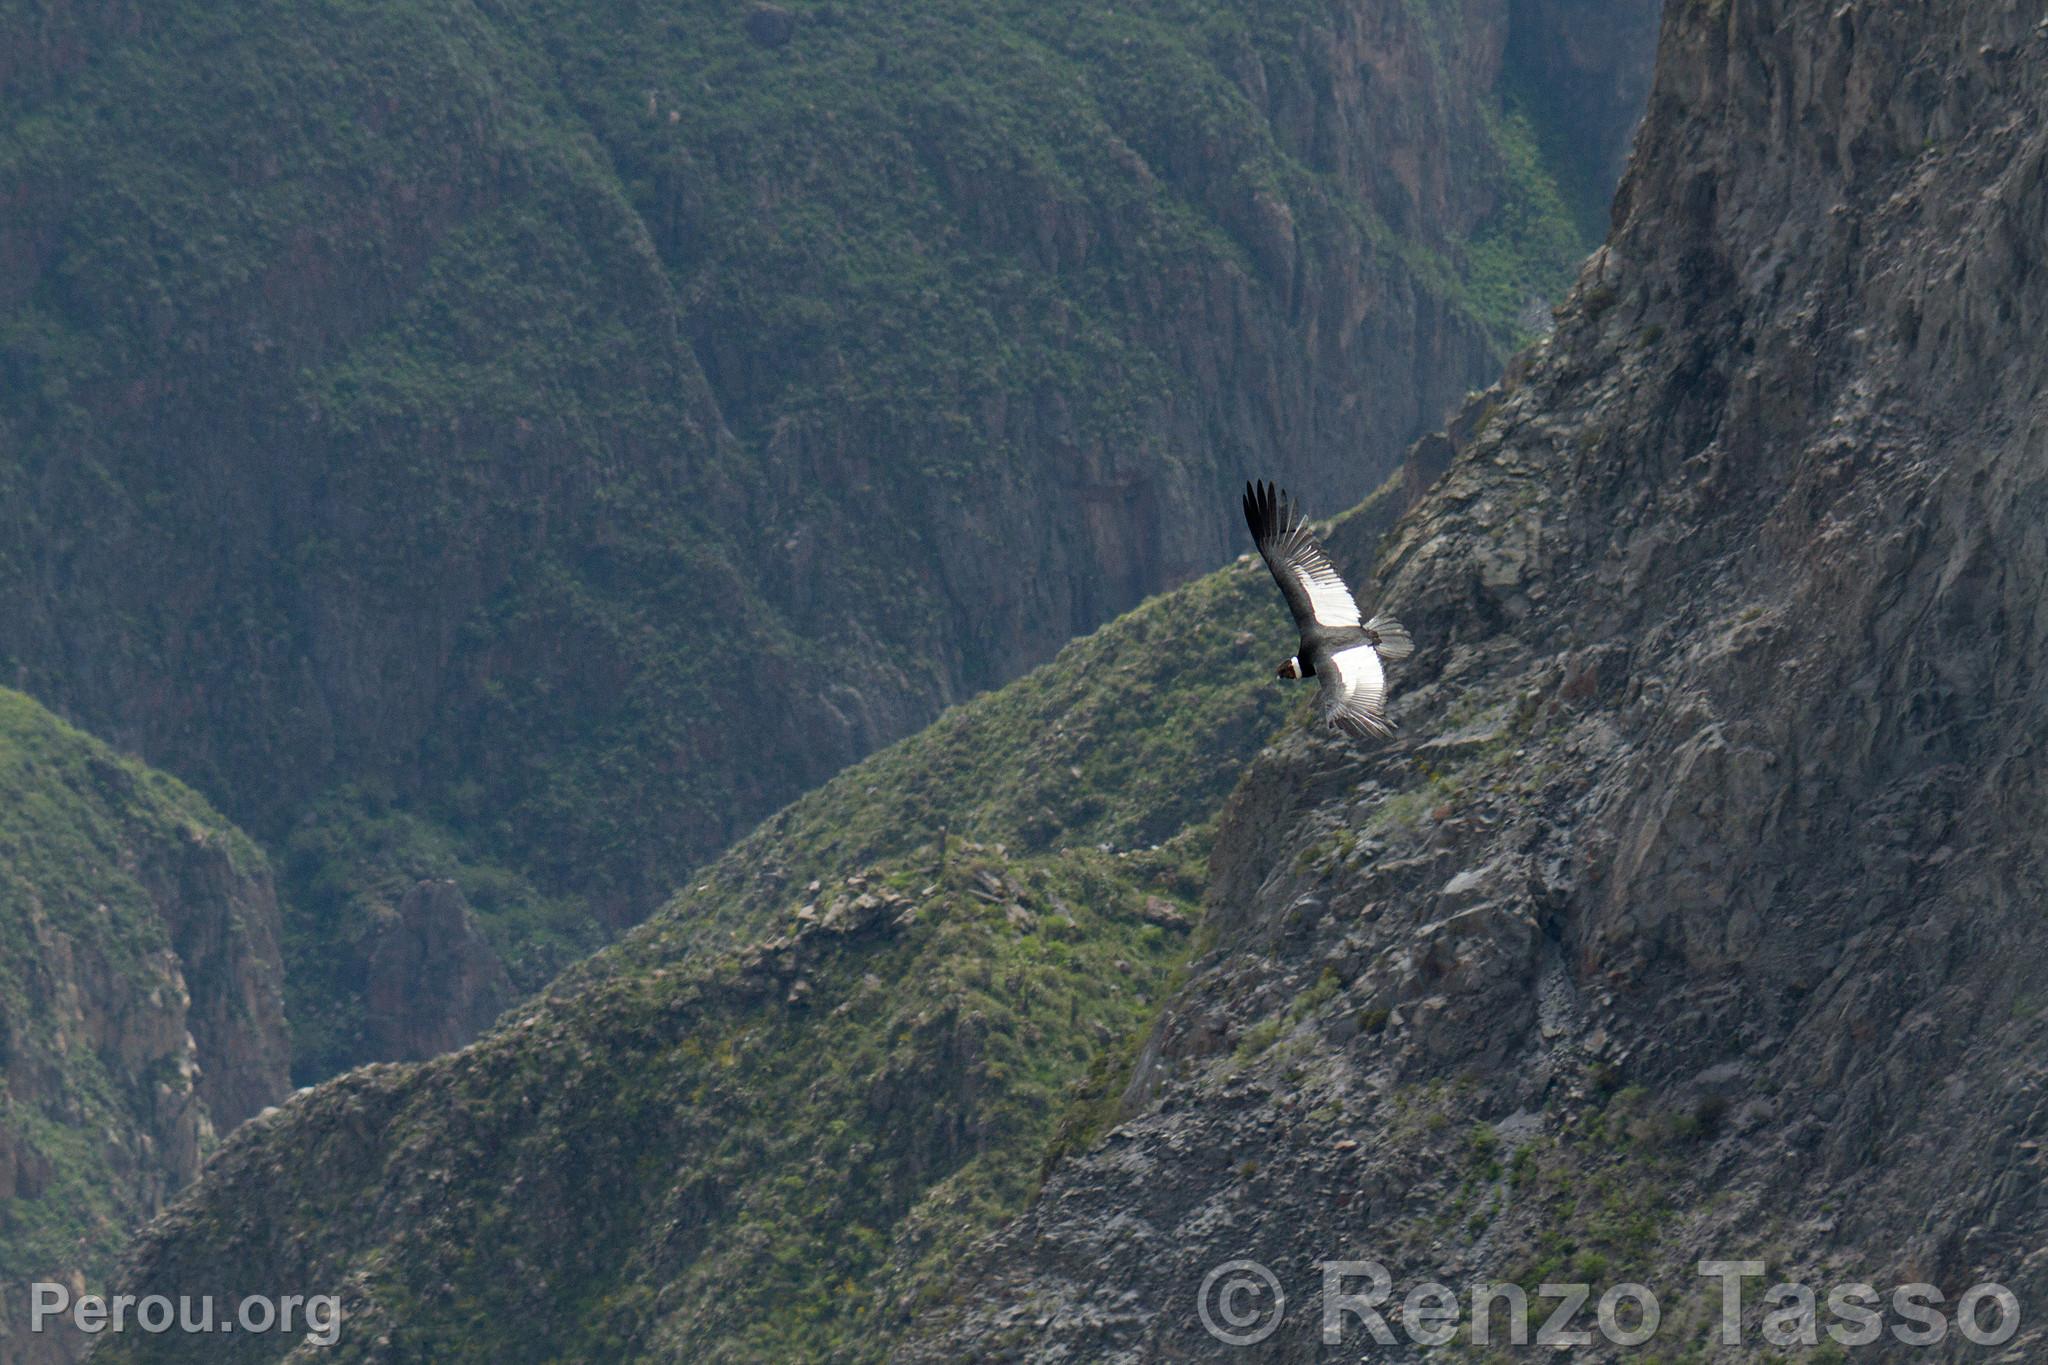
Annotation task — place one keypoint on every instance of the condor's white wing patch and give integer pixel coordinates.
(1354, 697)
(1328, 598)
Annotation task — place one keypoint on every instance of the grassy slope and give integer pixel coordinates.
(454, 367)
(77, 821)
(764, 1125)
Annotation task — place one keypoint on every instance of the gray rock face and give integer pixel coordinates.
(1696, 911)
(434, 981)
(223, 923)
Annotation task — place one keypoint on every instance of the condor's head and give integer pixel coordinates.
(1292, 668)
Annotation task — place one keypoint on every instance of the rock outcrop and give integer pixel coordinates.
(434, 981)
(140, 1004)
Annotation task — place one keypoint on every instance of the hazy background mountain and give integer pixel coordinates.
(499, 453)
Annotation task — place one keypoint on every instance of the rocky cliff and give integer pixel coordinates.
(1696, 913)
(558, 439)
(139, 1003)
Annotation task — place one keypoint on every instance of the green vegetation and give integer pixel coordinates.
(769, 1121)
(1130, 739)
(560, 435)
(1513, 256)
(790, 1157)
(1603, 1199)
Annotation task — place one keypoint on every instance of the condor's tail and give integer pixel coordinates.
(1389, 636)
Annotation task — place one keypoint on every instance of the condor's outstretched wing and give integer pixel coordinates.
(1314, 591)
(1354, 696)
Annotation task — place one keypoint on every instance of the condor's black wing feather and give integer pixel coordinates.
(1314, 590)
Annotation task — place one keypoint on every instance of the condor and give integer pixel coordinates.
(1345, 655)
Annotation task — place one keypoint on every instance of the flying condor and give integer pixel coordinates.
(1347, 657)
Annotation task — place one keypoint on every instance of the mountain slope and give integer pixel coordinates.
(764, 1124)
(139, 1001)
(1696, 915)
(559, 437)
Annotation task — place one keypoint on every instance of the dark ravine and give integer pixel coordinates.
(1582, 74)
(1697, 913)
(140, 1004)
(516, 407)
